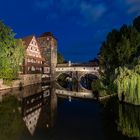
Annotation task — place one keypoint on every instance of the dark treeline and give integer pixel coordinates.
(118, 56)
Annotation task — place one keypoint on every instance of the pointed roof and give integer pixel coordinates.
(27, 40)
(31, 120)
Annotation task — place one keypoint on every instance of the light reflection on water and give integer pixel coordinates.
(36, 112)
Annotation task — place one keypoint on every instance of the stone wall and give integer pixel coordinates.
(1, 82)
(25, 80)
(29, 79)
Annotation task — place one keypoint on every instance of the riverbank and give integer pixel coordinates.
(107, 96)
(24, 80)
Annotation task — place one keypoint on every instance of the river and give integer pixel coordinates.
(37, 113)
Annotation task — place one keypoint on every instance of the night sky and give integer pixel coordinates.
(80, 26)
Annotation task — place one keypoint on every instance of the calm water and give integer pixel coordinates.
(36, 113)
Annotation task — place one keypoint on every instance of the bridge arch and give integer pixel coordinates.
(58, 74)
(77, 72)
(86, 80)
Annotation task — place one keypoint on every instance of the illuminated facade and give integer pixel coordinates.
(48, 47)
(33, 61)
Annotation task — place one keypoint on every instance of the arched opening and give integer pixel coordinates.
(62, 79)
(87, 80)
(67, 81)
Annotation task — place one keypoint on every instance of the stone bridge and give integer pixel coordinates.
(80, 69)
(77, 71)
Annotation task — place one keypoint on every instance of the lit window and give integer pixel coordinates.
(33, 68)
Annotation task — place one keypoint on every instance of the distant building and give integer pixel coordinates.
(33, 61)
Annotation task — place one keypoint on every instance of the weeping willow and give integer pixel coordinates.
(128, 121)
(128, 84)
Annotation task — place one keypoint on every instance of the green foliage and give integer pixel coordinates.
(128, 84)
(119, 49)
(136, 23)
(60, 58)
(119, 53)
(128, 121)
(98, 86)
(11, 53)
(11, 124)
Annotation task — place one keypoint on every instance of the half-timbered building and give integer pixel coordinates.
(33, 61)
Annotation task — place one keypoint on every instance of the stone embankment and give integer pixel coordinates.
(25, 80)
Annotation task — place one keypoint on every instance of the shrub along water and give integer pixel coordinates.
(128, 84)
(119, 57)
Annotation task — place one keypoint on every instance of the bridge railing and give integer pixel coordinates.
(77, 65)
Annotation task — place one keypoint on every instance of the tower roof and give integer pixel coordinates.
(47, 34)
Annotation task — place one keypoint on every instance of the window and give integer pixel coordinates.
(28, 68)
(28, 60)
(33, 68)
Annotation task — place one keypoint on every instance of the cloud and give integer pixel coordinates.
(88, 12)
(132, 1)
(133, 6)
(43, 4)
(93, 12)
(69, 5)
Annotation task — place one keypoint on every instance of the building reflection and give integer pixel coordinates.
(38, 107)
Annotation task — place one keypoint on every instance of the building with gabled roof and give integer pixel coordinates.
(33, 61)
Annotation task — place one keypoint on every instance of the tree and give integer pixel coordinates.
(120, 48)
(60, 58)
(11, 53)
(136, 23)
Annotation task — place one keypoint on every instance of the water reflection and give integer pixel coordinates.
(129, 120)
(121, 120)
(31, 113)
(39, 109)
(33, 107)
(11, 125)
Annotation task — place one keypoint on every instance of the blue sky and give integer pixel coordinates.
(79, 25)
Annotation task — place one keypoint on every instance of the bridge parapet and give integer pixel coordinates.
(77, 68)
(77, 65)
